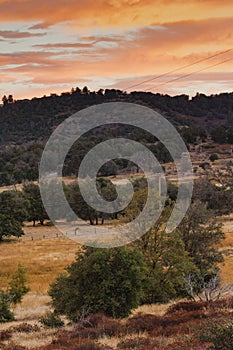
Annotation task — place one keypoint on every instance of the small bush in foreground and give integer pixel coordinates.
(96, 326)
(17, 289)
(186, 306)
(5, 313)
(51, 320)
(5, 335)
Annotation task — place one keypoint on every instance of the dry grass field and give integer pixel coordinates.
(43, 258)
(227, 248)
(50, 252)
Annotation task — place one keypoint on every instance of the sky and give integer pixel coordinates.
(51, 46)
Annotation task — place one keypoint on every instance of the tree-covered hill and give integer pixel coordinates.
(27, 124)
(34, 120)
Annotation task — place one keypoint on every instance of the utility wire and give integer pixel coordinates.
(189, 74)
(178, 69)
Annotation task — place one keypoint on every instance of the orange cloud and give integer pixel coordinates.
(110, 13)
(112, 42)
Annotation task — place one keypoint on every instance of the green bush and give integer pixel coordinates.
(51, 320)
(5, 313)
(100, 280)
(220, 335)
(17, 289)
(18, 285)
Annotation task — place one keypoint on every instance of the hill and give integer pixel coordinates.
(27, 124)
(23, 121)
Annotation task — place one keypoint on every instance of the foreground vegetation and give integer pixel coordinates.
(183, 326)
(45, 258)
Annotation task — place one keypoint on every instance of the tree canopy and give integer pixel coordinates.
(13, 212)
(100, 280)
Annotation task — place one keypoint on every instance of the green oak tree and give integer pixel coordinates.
(100, 280)
(13, 212)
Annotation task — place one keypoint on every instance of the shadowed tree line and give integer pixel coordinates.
(34, 120)
(27, 124)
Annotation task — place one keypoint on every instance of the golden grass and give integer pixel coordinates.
(227, 249)
(155, 309)
(33, 306)
(34, 339)
(42, 258)
(227, 270)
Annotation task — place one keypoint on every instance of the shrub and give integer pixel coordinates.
(17, 289)
(133, 343)
(17, 284)
(222, 303)
(69, 340)
(5, 335)
(5, 313)
(96, 326)
(95, 320)
(100, 280)
(25, 328)
(51, 320)
(220, 335)
(213, 157)
(186, 306)
(143, 322)
(204, 165)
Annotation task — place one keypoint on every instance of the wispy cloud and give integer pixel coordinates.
(11, 34)
(64, 45)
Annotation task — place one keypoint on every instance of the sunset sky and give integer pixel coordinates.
(54, 45)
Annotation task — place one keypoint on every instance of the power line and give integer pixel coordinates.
(189, 74)
(178, 69)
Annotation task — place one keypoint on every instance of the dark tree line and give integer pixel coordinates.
(21, 163)
(222, 134)
(33, 120)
